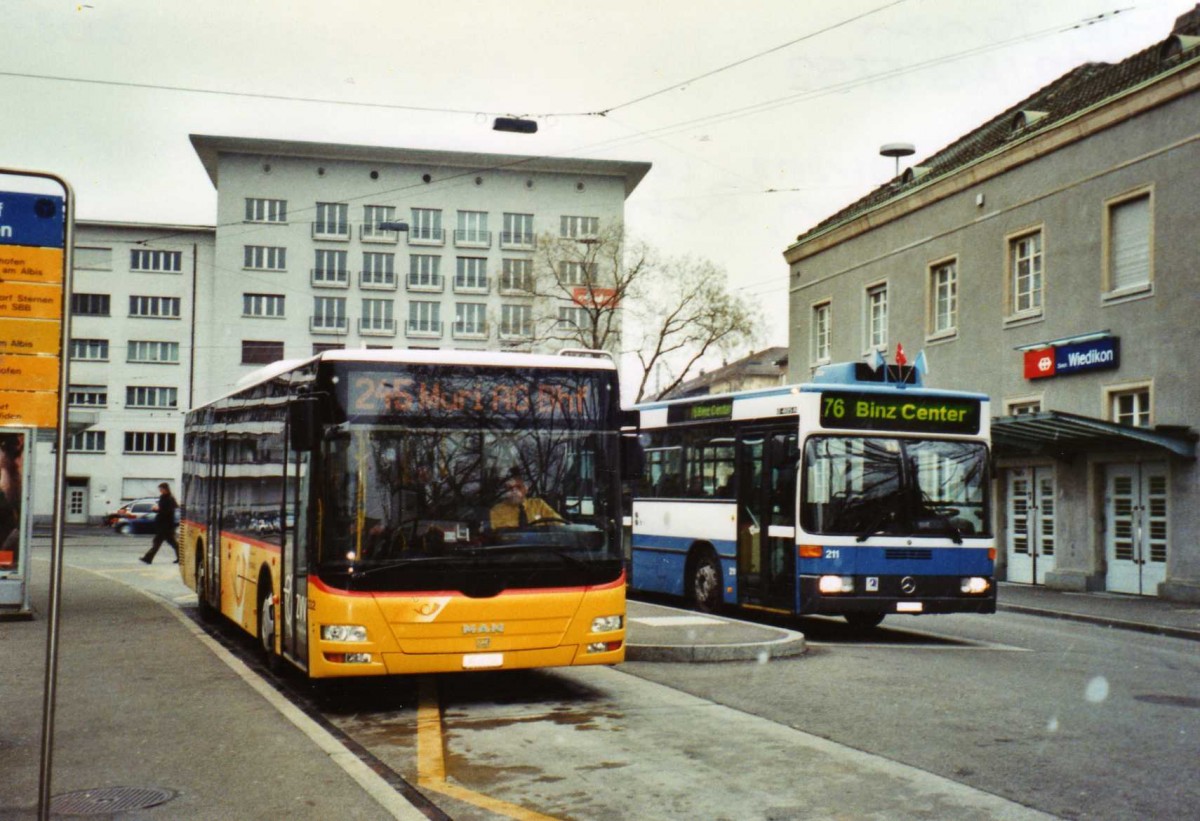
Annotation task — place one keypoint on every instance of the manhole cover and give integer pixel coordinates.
(105, 800)
(1170, 701)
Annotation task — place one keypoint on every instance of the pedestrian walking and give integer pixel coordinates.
(164, 524)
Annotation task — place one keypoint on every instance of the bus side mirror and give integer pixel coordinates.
(633, 458)
(303, 423)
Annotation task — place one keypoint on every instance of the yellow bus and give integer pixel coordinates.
(369, 513)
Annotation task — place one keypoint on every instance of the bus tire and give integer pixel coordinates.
(208, 613)
(704, 581)
(863, 621)
(267, 624)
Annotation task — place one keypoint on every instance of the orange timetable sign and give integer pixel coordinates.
(22, 336)
(21, 264)
(29, 373)
(20, 300)
(37, 409)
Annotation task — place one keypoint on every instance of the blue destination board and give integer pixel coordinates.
(36, 220)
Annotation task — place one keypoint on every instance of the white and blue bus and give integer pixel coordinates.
(860, 494)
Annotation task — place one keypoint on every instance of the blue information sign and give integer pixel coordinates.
(36, 220)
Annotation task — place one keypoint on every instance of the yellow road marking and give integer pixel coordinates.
(431, 761)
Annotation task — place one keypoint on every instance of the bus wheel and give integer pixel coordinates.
(863, 621)
(266, 624)
(207, 611)
(704, 584)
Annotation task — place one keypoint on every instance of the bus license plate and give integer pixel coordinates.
(482, 661)
(908, 607)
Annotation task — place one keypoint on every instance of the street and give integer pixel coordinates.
(1003, 716)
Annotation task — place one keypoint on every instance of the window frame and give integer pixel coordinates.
(1113, 393)
(266, 211)
(815, 343)
(933, 299)
(262, 306)
(264, 258)
(149, 306)
(161, 346)
(137, 255)
(1012, 311)
(869, 291)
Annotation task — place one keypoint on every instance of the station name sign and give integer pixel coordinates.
(919, 414)
(1061, 360)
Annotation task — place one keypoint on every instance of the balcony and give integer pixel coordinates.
(423, 328)
(419, 235)
(516, 331)
(372, 233)
(377, 281)
(330, 278)
(517, 241)
(470, 285)
(331, 231)
(426, 284)
(470, 330)
(470, 238)
(328, 324)
(377, 326)
(516, 286)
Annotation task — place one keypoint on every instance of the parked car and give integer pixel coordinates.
(131, 510)
(142, 523)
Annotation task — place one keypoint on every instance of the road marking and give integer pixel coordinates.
(431, 761)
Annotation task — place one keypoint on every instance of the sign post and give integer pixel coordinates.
(36, 227)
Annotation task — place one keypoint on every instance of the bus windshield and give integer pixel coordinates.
(475, 509)
(864, 486)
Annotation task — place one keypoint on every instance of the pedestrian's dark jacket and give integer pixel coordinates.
(164, 520)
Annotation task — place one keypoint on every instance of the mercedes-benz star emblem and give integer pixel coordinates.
(908, 585)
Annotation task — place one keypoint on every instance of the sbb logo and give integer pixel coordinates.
(1040, 363)
(1045, 363)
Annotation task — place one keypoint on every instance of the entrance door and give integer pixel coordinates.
(293, 531)
(1031, 539)
(77, 501)
(767, 517)
(1135, 526)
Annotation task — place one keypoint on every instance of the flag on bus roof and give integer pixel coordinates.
(901, 359)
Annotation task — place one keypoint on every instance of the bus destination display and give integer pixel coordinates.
(923, 414)
(374, 393)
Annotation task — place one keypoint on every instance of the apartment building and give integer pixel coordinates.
(315, 246)
(1047, 258)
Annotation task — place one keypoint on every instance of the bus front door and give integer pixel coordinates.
(766, 525)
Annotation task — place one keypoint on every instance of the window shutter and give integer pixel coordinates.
(1130, 244)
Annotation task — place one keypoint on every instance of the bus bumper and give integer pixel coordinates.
(929, 595)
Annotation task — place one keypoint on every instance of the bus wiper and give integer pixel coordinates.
(874, 527)
(391, 564)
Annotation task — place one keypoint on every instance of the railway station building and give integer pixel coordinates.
(1048, 259)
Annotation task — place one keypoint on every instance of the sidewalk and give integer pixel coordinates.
(1144, 614)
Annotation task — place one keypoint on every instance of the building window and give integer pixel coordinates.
(378, 271)
(90, 304)
(159, 262)
(89, 350)
(261, 210)
(87, 441)
(877, 317)
(373, 217)
(1023, 407)
(943, 298)
(262, 305)
(470, 319)
(151, 352)
(146, 396)
(518, 231)
(322, 347)
(260, 352)
(377, 316)
(425, 318)
(1025, 277)
(331, 268)
(574, 317)
(1128, 246)
(154, 307)
(87, 396)
(329, 313)
(426, 225)
(516, 320)
(424, 272)
(576, 273)
(93, 258)
(579, 227)
(1130, 406)
(473, 228)
(265, 258)
(471, 274)
(517, 275)
(333, 220)
(819, 344)
(149, 442)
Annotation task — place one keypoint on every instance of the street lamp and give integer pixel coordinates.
(515, 125)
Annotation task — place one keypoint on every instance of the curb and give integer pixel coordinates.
(788, 644)
(1103, 621)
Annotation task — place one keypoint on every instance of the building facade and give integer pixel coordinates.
(315, 246)
(767, 368)
(1047, 259)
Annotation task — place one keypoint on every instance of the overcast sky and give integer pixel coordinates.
(760, 117)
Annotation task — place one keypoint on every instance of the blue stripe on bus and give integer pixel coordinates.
(907, 561)
(659, 564)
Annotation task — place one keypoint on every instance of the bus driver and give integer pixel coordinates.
(518, 509)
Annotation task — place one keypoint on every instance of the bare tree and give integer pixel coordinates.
(678, 311)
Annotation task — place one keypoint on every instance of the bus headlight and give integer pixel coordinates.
(343, 632)
(975, 585)
(606, 624)
(836, 584)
